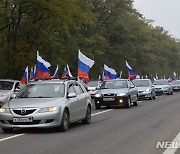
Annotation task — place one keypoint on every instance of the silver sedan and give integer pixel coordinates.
(55, 103)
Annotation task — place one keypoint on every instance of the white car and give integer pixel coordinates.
(7, 88)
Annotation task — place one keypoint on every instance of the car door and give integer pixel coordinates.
(82, 101)
(72, 103)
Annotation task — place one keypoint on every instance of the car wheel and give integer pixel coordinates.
(87, 119)
(128, 105)
(7, 130)
(136, 102)
(98, 106)
(172, 93)
(65, 121)
(151, 97)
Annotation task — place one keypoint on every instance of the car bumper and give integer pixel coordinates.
(40, 120)
(144, 95)
(117, 101)
(160, 92)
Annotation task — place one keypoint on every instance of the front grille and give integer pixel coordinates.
(2, 121)
(109, 95)
(25, 112)
(24, 123)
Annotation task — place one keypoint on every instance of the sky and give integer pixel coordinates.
(165, 13)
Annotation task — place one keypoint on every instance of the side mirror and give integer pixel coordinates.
(12, 96)
(132, 87)
(17, 90)
(72, 95)
(97, 88)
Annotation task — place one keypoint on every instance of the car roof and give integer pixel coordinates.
(118, 80)
(51, 81)
(141, 79)
(9, 80)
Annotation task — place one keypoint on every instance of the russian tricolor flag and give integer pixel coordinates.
(131, 74)
(67, 72)
(109, 73)
(56, 73)
(42, 68)
(84, 65)
(24, 78)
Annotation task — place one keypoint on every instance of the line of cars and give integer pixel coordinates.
(124, 92)
(59, 102)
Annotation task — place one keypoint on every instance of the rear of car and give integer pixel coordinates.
(45, 104)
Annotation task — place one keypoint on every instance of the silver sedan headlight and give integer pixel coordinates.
(48, 109)
(147, 90)
(4, 110)
(121, 94)
(97, 95)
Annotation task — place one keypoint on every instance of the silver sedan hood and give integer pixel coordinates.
(33, 102)
(114, 91)
(142, 88)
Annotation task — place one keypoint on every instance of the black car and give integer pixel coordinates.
(121, 92)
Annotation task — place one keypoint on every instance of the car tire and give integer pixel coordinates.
(65, 121)
(87, 119)
(7, 130)
(151, 97)
(128, 105)
(136, 102)
(98, 106)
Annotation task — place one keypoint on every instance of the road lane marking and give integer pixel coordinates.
(101, 112)
(173, 150)
(14, 136)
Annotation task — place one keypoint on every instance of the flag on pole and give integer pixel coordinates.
(56, 73)
(24, 78)
(174, 76)
(42, 67)
(67, 72)
(120, 75)
(31, 74)
(131, 73)
(109, 73)
(84, 65)
(156, 76)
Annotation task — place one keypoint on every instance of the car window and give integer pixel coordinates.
(78, 90)
(71, 89)
(42, 91)
(141, 83)
(116, 84)
(6, 85)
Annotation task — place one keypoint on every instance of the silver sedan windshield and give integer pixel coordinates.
(114, 85)
(42, 91)
(141, 83)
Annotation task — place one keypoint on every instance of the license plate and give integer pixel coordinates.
(108, 99)
(30, 119)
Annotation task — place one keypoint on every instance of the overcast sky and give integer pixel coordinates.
(165, 13)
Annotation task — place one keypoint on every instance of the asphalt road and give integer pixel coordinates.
(118, 131)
